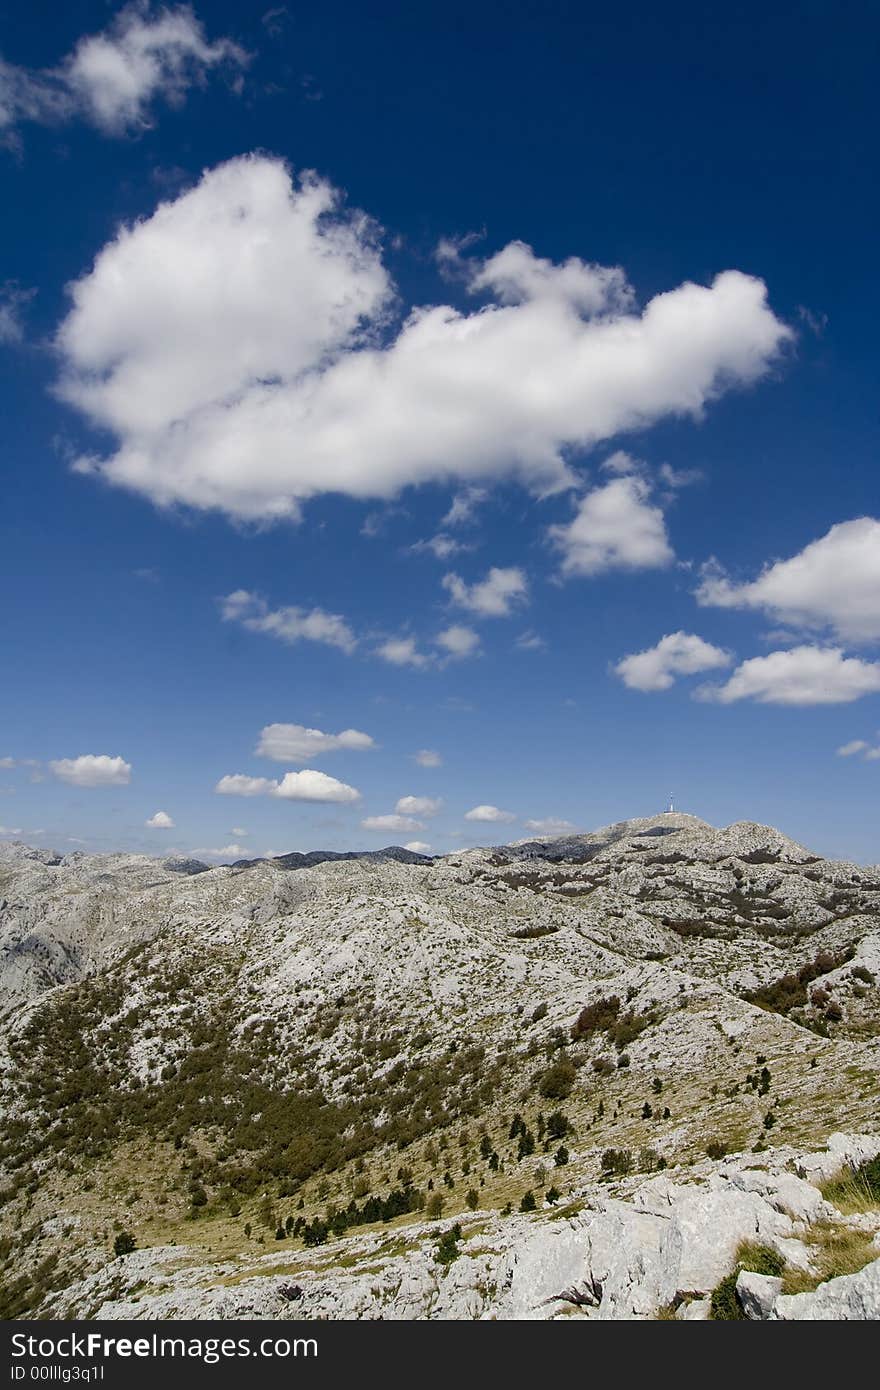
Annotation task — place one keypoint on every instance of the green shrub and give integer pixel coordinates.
(446, 1250)
(616, 1162)
(596, 1018)
(558, 1080)
(528, 1202)
(751, 1255)
(124, 1243)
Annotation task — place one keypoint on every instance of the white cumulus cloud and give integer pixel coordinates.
(489, 813)
(239, 784)
(616, 527)
(160, 821)
(458, 641)
(287, 624)
(799, 676)
(417, 847)
(833, 583)
(676, 654)
(402, 651)
(226, 852)
(92, 770)
(273, 373)
(550, 825)
(112, 78)
(419, 805)
(394, 822)
(308, 785)
(493, 597)
(294, 743)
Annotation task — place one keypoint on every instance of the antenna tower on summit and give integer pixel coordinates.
(671, 807)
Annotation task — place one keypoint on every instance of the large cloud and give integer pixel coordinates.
(676, 654)
(832, 583)
(92, 770)
(616, 527)
(800, 676)
(221, 341)
(293, 743)
(110, 79)
(308, 785)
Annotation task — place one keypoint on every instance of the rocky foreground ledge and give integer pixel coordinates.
(685, 1245)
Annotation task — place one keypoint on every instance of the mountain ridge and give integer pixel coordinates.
(369, 1026)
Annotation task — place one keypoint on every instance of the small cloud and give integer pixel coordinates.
(490, 813)
(288, 624)
(226, 853)
(440, 546)
(238, 784)
(92, 770)
(402, 651)
(858, 747)
(13, 298)
(160, 821)
(817, 323)
(616, 528)
(676, 478)
(274, 21)
(464, 505)
(426, 757)
(11, 832)
(849, 750)
(308, 785)
(419, 806)
(529, 642)
(493, 597)
(394, 823)
(239, 832)
(458, 642)
(551, 825)
(112, 79)
(417, 847)
(294, 743)
(676, 654)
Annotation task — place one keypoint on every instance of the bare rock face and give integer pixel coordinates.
(658, 1038)
(757, 1293)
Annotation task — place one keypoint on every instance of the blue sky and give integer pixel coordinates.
(566, 347)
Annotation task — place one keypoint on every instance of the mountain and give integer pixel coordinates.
(302, 1073)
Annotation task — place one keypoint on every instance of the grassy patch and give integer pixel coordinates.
(751, 1255)
(854, 1189)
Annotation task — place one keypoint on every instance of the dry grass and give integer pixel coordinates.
(851, 1191)
(837, 1250)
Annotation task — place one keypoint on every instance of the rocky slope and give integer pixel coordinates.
(284, 1070)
